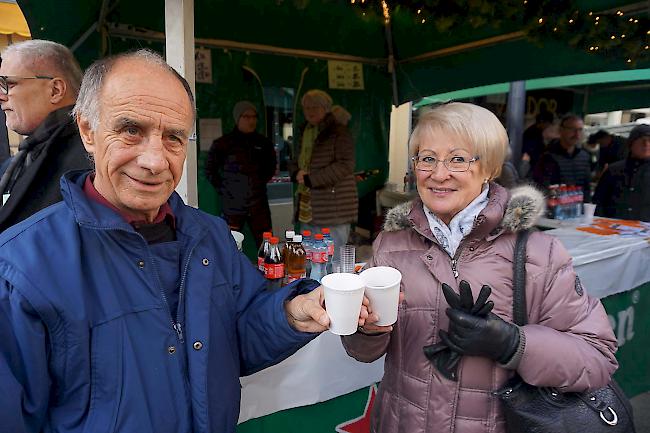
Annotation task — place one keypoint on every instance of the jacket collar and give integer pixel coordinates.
(506, 211)
(44, 131)
(92, 214)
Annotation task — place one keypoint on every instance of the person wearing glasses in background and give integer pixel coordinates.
(564, 162)
(446, 353)
(39, 83)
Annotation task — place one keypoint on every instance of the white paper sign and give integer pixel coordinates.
(209, 130)
(203, 65)
(345, 75)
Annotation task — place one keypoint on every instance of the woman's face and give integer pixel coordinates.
(442, 191)
(314, 113)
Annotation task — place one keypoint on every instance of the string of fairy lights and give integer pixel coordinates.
(620, 33)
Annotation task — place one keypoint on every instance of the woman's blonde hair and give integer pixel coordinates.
(476, 125)
(319, 98)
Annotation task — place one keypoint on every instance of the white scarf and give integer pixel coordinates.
(460, 225)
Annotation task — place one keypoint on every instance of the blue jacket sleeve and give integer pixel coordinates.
(24, 378)
(265, 336)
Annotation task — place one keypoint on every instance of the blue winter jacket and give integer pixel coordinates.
(88, 344)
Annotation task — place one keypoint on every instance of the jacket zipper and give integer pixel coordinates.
(454, 269)
(181, 293)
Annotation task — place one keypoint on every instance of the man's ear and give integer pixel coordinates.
(87, 134)
(59, 90)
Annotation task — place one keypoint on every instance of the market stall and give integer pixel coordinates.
(611, 258)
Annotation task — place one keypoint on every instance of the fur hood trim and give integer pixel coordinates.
(525, 206)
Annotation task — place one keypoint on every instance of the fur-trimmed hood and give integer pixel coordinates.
(526, 204)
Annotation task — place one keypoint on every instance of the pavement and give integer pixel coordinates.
(641, 408)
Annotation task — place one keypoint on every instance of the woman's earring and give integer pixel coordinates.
(486, 180)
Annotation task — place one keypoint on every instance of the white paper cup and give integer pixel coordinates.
(588, 210)
(382, 289)
(239, 238)
(343, 298)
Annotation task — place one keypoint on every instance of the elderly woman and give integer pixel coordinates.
(461, 233)
(324, 171)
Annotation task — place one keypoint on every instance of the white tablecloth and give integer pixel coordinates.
(606, 265)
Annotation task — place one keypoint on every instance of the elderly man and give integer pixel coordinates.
(121, 308)
(39, 82)
(623, 190)
(564, 162)
(239, 166)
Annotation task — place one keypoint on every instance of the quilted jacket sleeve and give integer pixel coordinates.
(571, 346)
(24, 379)
(368, 348)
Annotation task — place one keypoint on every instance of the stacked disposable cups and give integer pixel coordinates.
(347, 258)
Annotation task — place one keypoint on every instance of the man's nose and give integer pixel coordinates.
(3, 96)
(153, 156)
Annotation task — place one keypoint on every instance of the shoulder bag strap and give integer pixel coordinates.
(519, 313)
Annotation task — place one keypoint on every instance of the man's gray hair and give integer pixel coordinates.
(50, 59)
(87, 104)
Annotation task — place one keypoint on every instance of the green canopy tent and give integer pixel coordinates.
(594, 93)
(259, 48)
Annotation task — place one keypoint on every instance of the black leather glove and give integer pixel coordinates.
(488, 336)
(441, 356)
(465, 302)
(444, 359)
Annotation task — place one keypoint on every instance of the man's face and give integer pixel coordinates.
(29, 101)
(247, 122)
(571, 133)
(140, 144)
(640, 148)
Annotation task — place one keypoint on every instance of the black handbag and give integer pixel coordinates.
(532, 409)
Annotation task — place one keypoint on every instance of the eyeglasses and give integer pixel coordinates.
(456, 163)
(7, 80)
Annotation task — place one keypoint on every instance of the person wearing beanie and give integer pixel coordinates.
(623, 190)
(239, 166)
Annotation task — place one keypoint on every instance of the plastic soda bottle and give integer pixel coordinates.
(329, 242)
(307, 243)
(288, 237)
(295, 260)
(318, 259)
(263, 251)
(274, 266)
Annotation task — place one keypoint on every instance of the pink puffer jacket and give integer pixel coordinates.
(569, 342)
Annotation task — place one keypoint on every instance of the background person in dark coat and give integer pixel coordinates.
(623, 190)
(39, 83)
(239, 166)
(4, 139)
(533, 144)
(612, 148)
(564, 162)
